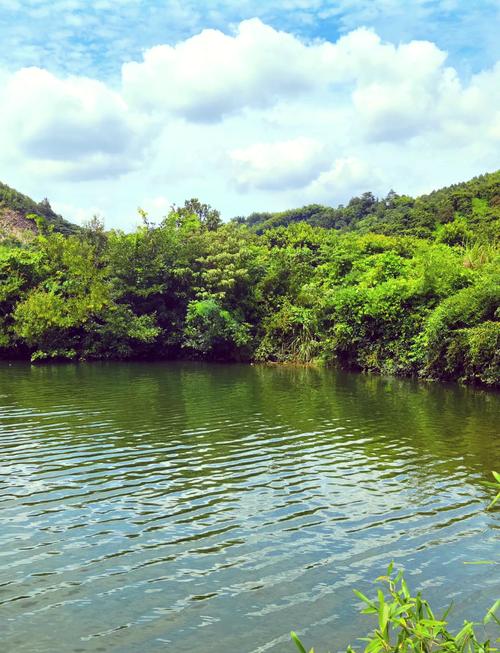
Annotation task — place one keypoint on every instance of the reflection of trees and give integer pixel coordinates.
(215, 410)
(400, 419)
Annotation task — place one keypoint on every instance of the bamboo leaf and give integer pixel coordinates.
(297, 641)
(364, 598)
(491, 612)
(481, 562)
(494, 502)
(447, 612)
(384, 617)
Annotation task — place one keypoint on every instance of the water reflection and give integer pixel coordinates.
(154, 506)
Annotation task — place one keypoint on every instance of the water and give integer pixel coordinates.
(184, 507)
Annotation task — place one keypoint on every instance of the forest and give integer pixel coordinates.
(394, 285)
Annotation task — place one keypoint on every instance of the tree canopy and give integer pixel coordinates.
(395, 285)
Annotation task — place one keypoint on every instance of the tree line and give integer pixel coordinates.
(394, 285)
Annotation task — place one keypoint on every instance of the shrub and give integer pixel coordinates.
(211, 330)
(461, 334)
(407, 624)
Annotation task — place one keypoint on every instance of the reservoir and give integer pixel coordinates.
(195, 508)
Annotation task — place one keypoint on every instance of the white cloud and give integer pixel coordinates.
(395, 92)
(75, 127)
(76, 214)
(278, 166)
(213, 74)
(156, 207)
(251, 119)
(93, 38)
(347, 177)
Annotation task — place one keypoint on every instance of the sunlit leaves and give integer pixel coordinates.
(407, 624)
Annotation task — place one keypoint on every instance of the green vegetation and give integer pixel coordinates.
(495, 484)
(407, 624)
(451, 214)
(399, 286)
(40, 213)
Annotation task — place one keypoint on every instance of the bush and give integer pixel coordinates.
(454, 233)
(460, 338)
(213, 331)
(291, 335)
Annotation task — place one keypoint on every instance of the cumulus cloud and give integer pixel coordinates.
(395, 92)
(346, 177)
(253, 117)
(93, 38)
(278, 166)
(74, 127)
(213, 74)
(77, 214)
(156, 207)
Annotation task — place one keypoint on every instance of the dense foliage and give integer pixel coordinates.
(455, 211)
(409, 289)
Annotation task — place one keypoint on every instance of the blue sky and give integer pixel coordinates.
(252, 133)
(95, 37)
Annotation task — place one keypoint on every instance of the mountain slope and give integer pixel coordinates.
(472, 206)
(16, 209)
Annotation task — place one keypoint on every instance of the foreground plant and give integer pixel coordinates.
(407, 623)
(496, 486)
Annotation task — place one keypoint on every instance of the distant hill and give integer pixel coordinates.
(470, 208)
(17, 213)
(473, 205)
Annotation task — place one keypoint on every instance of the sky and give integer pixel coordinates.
(111, 105)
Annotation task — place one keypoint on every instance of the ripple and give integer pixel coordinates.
(185, 504)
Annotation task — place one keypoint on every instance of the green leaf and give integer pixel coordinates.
(384, 617)
(297, 641)
(381, 597)
(494, 502)
(464, 633)
(364, 598)
(481, 562)
(447, 612)
(496, 485)
(491, 613)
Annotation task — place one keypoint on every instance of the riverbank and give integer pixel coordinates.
(314, 364)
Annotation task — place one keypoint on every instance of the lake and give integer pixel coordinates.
(190, 507)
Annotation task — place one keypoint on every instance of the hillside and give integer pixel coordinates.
(472, 206)
(194, 287)
(16, 210)
(460, 211)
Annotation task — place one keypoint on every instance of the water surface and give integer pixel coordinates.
(185, 507)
